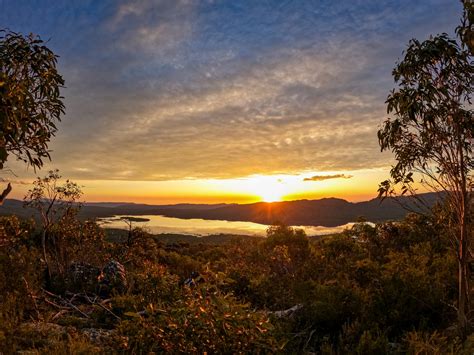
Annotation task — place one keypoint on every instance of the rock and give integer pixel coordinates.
(112, 279)
(83, 277)
(97, 336)
(288, 313)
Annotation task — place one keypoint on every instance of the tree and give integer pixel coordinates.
(466, 29)
(30, 98)
(129, 222)
(431, 135)
(53, 202)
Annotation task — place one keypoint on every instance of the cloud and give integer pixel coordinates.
(285, 116)
(327, 177)
(164, 90)
(14, 181)
(151, 28)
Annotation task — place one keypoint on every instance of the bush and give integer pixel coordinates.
(201, 321)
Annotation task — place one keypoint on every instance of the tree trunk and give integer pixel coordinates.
(463, 307)
(45, 257)
(130, 235)
(463, 277)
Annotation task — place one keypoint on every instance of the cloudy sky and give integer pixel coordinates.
(188, 99)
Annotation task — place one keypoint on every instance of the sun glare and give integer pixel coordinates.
(282, 187)
(269, 189)
(270, 196)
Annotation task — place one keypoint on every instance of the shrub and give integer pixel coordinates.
(200, 321)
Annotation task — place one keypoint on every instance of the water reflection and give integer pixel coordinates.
(160, 224)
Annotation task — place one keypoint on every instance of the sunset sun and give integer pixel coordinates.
(268, 188)
(271, 195)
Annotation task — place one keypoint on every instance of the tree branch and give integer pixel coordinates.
(5, 193)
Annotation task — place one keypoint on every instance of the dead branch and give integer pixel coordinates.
(33, 297)
(67, 302)
(103, 307)
(5, 193)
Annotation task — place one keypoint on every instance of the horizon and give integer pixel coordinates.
(216, 102)
(118, 202)
(210, 204)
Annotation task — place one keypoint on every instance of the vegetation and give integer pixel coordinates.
(387, 288)
(466, 29)
(431, 135)
(55, 203)
(29, 97)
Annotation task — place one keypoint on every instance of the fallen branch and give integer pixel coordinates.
(68, 303)
(59, 314)
(55, 304)
(103, 307)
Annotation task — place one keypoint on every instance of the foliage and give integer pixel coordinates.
(57, 206)
(200, 321)
(18, 276)
(432, 132)
(433, 125)
(371, 289)
(432, 343)
(29, 96)
(466, 30)
(52, 200)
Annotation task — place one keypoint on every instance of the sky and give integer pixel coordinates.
(223, 101)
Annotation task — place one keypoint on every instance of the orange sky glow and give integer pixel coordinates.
(353, 186)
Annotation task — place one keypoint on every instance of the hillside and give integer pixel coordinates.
(327, 212)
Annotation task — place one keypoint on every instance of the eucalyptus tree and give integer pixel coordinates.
(53, 201)
(466, 29)
(431, 134)
(30, 99)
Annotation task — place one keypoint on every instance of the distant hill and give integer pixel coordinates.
(142, 207)
(327, 212)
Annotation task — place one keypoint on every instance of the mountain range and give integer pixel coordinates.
(327, 212)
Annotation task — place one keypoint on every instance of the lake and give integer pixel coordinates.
(161, 224)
